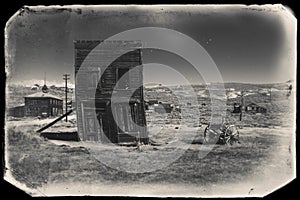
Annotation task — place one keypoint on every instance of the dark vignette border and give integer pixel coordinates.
(11, 7)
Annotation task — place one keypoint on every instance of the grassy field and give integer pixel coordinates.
(43, 162)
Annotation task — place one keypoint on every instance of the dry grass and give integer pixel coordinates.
(36, 161)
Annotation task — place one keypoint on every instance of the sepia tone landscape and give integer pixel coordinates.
(36, 161)
(163, 101)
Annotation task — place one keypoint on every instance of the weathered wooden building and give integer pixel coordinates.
(17, 111)
(90, 101)
(255, 108)
(43, 104)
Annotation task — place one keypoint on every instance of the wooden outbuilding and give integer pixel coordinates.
(17, 111)
(255, 108)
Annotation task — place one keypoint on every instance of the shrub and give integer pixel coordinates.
(26, 160)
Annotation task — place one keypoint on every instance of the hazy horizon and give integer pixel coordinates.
(30, 83)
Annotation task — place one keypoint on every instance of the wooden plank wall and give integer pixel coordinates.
(95, 62)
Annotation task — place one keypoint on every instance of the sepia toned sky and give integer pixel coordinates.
(248, 44)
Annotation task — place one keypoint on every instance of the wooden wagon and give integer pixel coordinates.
(227, 134)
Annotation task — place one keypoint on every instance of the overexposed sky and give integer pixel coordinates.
(248, 44)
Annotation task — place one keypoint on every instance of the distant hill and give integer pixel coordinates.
(32, 82)
(15, 93)
(253, 86)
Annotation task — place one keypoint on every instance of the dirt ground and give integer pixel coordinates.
(62, 166)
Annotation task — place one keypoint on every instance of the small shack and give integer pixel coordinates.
(17, 111)
(152, 102)
(163, 107)
(237, 108)
(43, 104)
(255, 108)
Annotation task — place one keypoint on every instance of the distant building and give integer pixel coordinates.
(163, 107)
(237, 108)
(18, 111)
(43, 104)
(45, 89)
(52, 87)
(152, 102)
(178, 109)
(255, 108)
(34, 88)
(146, 103)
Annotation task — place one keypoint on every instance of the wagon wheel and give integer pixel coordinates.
(205, 137)
(209, 136)
(231, 135)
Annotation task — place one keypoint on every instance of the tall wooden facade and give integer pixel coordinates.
(91, 101)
